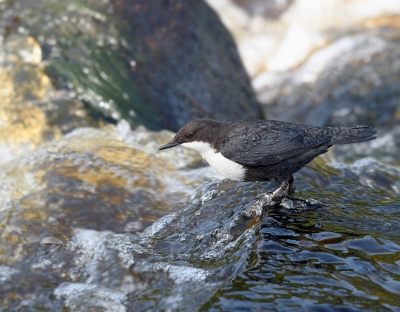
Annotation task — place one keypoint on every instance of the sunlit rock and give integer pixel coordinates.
(93, 156)
(31, 112)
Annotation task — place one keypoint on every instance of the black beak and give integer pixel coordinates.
(168, 145)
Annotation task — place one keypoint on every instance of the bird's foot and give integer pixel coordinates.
(287, 186)
(278, 195)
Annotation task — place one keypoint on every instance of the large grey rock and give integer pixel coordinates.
(352, 81)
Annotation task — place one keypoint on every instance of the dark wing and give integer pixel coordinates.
(268, 145)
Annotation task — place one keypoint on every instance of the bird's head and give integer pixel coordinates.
(198, 130)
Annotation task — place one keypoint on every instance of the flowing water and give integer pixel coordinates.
(344, 256)
(87, 245)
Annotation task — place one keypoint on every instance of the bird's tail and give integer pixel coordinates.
(352, 134)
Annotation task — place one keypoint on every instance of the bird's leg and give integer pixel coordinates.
(290, 185)
(282, 187)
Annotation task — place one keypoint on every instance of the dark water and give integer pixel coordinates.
(342, 257)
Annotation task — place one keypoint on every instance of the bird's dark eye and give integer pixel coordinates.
(190, 134)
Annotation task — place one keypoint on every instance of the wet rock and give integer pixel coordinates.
(151, 82)
(83, 264)
(316, 252)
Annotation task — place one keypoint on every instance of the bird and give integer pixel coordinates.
(263, 150)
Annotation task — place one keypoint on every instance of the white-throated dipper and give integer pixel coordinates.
(263, 150)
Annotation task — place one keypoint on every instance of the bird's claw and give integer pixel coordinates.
(278, 195)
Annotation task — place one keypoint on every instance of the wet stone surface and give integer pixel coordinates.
(82, 243)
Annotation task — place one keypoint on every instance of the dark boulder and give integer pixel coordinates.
(189, 66)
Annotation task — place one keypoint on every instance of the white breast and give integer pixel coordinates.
(221, 164)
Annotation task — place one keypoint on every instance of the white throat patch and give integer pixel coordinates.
(221, 164)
